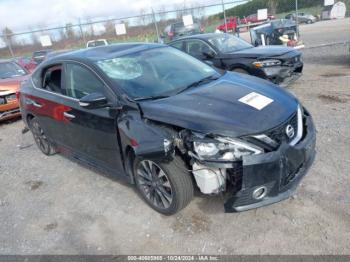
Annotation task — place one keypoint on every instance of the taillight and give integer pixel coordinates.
(18, 94)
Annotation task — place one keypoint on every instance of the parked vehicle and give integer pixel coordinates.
(302, 18)
(276, 32)
(28, 63)
(11, 75)
(167, 122)
(58, 52)
(231, 25)
(95, 43)
(279, 64)
(40, 56)
(253, 18)
(233, 22)
(176, 30)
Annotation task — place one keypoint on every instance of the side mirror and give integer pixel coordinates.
(209, 54)
(209, 63)
(93, 101)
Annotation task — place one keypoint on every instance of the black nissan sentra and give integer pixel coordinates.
(169, 124)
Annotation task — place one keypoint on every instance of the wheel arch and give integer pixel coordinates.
(28, 118)
(130, 156)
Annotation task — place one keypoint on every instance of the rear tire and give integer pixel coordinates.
(40, 138)
(166, 187)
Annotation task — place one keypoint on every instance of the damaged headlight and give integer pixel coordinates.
(267, 63)
(224, 149)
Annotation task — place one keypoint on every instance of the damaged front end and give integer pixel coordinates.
(253, 171)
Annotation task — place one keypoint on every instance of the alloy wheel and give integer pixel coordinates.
(40, 138)
(154, 184)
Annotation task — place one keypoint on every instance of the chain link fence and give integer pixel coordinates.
(153, 25)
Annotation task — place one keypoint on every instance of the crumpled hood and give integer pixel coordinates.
(214, 108)
(263, 51)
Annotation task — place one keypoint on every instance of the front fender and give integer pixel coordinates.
(148, 139)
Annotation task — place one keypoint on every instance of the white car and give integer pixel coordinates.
(98, 42)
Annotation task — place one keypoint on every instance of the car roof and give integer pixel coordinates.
(6, 60)
(43, 51)
(199, 36)
(105, 52)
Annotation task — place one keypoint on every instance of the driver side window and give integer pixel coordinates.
(81, 82)
(196, 48)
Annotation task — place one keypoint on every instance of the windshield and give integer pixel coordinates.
(155, 72)
(228, 43)
(9, 70)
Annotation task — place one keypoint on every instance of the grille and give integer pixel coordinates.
(279, 133)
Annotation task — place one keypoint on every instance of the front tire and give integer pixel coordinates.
(240, 70)
(166, 187)
(40, 138)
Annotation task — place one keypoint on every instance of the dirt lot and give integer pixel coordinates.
(51, 205)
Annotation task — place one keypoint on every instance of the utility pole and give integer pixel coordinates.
(223, 10)
(8, 43)
(82, 32)
(156, 25)
(296, 17)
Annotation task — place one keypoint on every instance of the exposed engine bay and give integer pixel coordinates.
(254, 170)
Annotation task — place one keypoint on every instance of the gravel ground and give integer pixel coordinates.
(51, 205)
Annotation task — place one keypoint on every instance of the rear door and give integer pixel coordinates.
(45, 101)
(90, 132)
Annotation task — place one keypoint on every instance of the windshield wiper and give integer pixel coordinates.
(149, 98)
(200, 82)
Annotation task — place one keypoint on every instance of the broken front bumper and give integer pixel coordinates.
(284, 75)
(9, 110)
(279, 172)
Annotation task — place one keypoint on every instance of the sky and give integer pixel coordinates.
(23, 15)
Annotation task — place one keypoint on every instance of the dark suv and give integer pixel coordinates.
(168, 123)
(40, 56)
(178, 29)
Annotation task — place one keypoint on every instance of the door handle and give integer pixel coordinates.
(68, 115)
(37, 104)
(33, 103)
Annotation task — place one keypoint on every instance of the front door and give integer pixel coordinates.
(200, 50)
(92, 133)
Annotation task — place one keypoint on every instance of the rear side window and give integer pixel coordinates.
(52, 79)
(179, 45)
(196, 48)
(81, 82)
